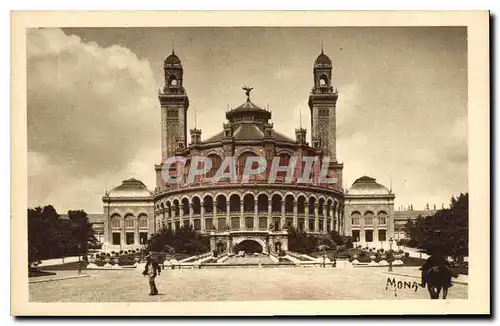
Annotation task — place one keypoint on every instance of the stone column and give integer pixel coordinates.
(256, 215)
(122, 231)
(136, 232)
(191, 214)
(242, 219)
(269, 219)
(306, 218)
(295, 215)
(362, 237)
(202, 218)
(214, 215)
(228, 218)
(316, 218)
(282, 217)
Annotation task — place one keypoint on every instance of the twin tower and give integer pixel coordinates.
(175, 103)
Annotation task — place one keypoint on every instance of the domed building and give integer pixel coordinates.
(369, 213)
(251, 212)
(128, 215)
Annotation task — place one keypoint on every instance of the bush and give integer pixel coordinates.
(112, 252)
(400, 251)
(108, 254)
(382, 250)
(362, 254)
(215, 253)
(407, 254)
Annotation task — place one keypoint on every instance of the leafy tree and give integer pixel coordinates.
(445, 231)
(83, 235)
(185, 240)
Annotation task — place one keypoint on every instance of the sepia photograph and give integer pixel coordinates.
(270, 163)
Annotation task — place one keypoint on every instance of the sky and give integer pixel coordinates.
(94, 118)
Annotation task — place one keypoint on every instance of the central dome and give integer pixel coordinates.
(248, 109)
(130, 188)
(367, 186)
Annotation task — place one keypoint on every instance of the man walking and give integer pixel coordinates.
(151, 270)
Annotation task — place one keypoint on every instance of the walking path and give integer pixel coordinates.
(414, 272)
(61, 275)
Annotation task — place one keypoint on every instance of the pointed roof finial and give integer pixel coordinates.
(322, 46)
(173, 46)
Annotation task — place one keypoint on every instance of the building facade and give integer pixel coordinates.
(256, 210)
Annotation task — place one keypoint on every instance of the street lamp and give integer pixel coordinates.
(79, 263)
(391, 253)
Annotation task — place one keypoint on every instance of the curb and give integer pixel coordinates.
(58, 279)
(418, 277)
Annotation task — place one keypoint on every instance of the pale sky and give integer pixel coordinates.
(94, 116)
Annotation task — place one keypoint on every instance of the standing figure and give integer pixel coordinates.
(151, 270)
(437, 274)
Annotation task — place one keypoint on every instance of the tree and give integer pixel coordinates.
(445, 231)
(297, 240)
(83, 234)
(184, 240)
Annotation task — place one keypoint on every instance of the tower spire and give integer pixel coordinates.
(322, 46)
(173, 46)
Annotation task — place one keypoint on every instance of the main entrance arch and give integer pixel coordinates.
(248, 246)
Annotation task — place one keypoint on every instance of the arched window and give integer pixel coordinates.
(276, 203)
(289, 204)
(176, 208)
(248, 203)
(221, 204)
(129, 221)
(301, 205)
(172, 80)
(169, 209)
(115, 221)
(382, 218)
(321, 204)
(355, 218)
(216, 163)
(329, 208)
(208, 204)
(312, 202)
(323, 81)
(143, 221)
(263, 203)
(196, 206)
(369, 218)
(234, 203)
(284, 161)
(242, 162)
(185, 207)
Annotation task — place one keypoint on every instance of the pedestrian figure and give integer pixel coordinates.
(437, 274)
(151, 270)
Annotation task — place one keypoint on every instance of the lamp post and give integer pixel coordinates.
(392, 255)
(79, 262)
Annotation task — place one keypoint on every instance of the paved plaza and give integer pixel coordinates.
(233, 284)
